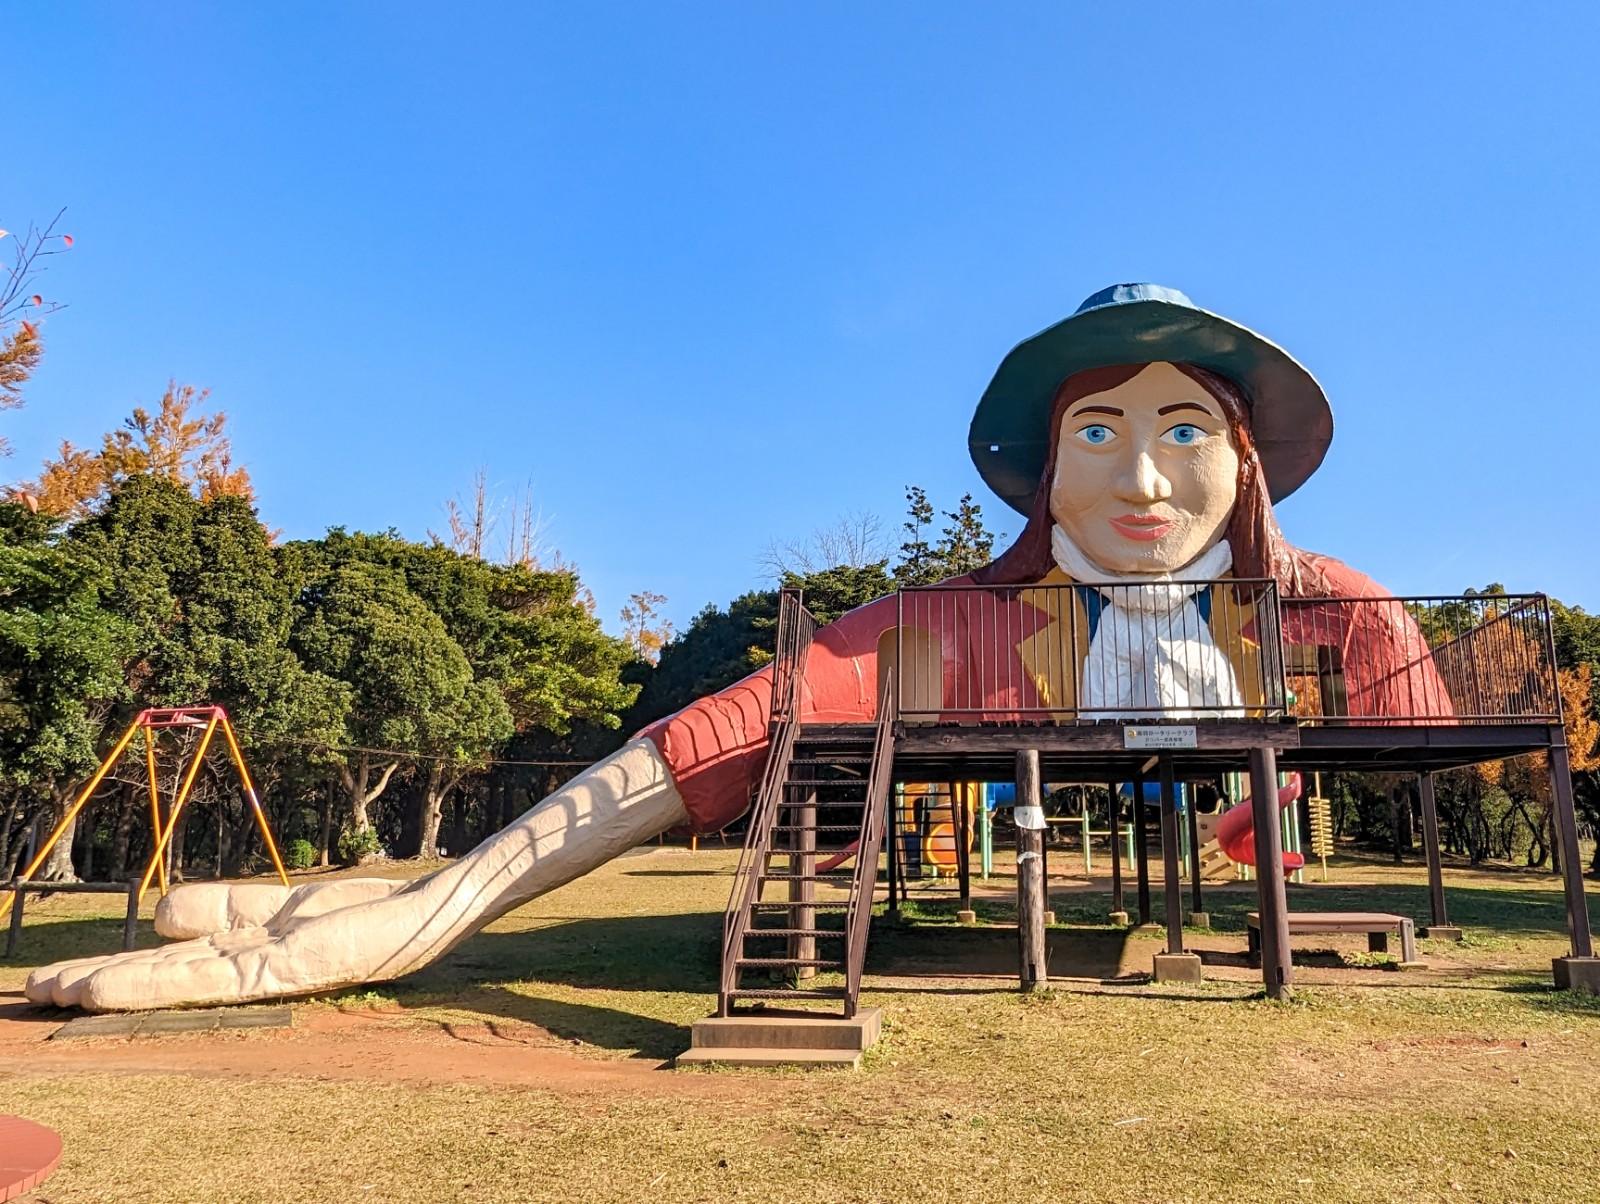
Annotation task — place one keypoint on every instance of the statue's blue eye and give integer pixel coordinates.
(1184, 435)
(1097, 435)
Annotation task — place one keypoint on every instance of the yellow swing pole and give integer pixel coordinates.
(83, 797)
(255, 804)
(155, 800)
(178, 801)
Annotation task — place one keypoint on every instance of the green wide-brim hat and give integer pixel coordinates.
(1291, 423)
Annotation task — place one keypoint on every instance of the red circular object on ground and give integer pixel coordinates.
(28, 1153)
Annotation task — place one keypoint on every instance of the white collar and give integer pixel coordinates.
(1208, 566)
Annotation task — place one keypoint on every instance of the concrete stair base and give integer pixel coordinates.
(734, 1056)
(772, 1037)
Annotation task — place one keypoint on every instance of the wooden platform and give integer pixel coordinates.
(774, 1037)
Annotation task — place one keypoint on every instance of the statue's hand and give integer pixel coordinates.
(202, 908)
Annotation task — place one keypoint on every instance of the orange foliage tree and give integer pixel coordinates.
(21, 308)
(178, 442)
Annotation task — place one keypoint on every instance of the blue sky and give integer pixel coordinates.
(710, 276)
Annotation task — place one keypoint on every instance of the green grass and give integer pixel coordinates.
(1476, 1084)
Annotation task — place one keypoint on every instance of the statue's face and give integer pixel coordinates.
(1146, 473)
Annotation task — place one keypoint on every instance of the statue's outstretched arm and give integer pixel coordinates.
(266, 943)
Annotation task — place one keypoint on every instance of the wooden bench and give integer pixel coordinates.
(1376, 924)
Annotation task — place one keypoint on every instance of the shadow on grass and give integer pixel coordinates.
(623, 953)
(607, 1028)
(44, 941)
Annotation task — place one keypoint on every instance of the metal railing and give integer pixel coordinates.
(1469, 659)
(873, 821)
(1227, 649)
(795, 629)
(1077, 653)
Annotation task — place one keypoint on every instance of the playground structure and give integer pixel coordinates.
(150, 723)
(1149, 624)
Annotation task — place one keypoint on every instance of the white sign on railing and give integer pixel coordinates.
(1158, 736)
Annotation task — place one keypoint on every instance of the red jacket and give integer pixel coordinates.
(714, 748)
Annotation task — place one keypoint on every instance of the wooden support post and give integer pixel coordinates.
(1571, 858)
(1033, 968)
(1197, 906)
(803, 860)
(1271, 900)
(1141, 846)
(963, 830)
(1172, 893)
(130, 922)
(1440, 927)
(1119, 912)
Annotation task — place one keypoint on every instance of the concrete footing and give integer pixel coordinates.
(1440, 932)
(1199, 919)
(782, 1038)
(1049, 918)
(1118, 919)
(1578, 974)
(1177, 967)
(966, 916)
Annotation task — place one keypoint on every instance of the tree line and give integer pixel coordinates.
(411, 696)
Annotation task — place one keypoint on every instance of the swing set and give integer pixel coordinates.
(151, 722)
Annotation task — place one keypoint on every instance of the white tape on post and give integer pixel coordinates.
(1029, 818)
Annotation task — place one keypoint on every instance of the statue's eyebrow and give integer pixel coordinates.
(1185, 405)
(1112, 410)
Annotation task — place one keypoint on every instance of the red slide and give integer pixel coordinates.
(1236, 834)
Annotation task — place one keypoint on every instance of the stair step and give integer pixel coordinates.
(842, 879)
(819, 933)
(733, 1055)
(816, 828)
(787, 993)
(824, 782)
(830, 762)
(822, 905)
(820, 963)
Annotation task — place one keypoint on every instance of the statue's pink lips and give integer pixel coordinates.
(1144, 527)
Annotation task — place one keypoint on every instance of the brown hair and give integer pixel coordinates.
(1259, 548)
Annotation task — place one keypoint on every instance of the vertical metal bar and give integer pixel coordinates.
(1141, 848)
(802, 890)
(900, 645)
(250, 797)
(178, 802)
(1191, 797)
(961, 825)
(155, 799)
(1114, 822)
(83, 797)
(892, 834)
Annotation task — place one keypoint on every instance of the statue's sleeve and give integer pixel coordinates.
(715, 748)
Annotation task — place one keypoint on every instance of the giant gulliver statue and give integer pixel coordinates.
(1146, 441)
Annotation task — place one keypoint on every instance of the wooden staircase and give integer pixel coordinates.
(796, 928)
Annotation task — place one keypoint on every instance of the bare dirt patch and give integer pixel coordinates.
(329, 1043)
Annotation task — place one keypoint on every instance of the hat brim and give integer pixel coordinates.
(1291, 422)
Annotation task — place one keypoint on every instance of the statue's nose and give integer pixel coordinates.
(1141, 481)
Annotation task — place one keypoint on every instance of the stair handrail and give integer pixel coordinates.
(858, 918)
(796, 625)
